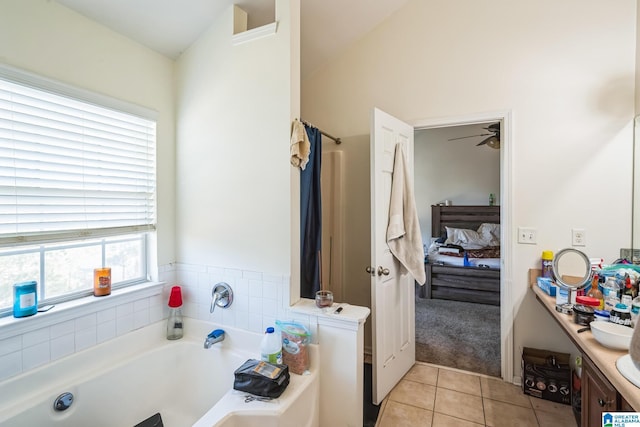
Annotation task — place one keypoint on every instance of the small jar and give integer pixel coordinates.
(582, 314)
(102, 281)
(601, 315)
(25, 299)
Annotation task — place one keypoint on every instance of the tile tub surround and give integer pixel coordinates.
(435, 396)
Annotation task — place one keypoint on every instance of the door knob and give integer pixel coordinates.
(383, 271)
(370, 270)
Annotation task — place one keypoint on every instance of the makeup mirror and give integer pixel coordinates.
(571, 269)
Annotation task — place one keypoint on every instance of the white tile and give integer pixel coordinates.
(269, 307)
(255, 288)
(141, 318)
(86, 338)
(232, 273)
(35, 356)
(63, 328)
(204, 280)
(10, 345)
(156, 300)
(86, 322)
(255, 323)
(141, 304)
(229, 318)
(35, 337)
(10, 365)
(106, 315)
(155, 314)
(124, 309)
(167, 276)
(62, 346)
(270, 290)
(255, 305)
(105, 331)
(242, 320)
(268, 321)
(272, 278)
(124, 324)
(240, 302)
(216, 273)
(252, 275)
(241, 287)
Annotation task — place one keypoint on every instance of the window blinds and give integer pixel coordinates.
(70, 169)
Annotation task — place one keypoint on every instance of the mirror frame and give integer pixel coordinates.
(586, 279)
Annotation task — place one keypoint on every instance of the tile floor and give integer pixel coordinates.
(435, 396)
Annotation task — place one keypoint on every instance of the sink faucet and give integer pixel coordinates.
(215, 336)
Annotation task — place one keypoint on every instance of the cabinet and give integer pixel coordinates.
(598, 395)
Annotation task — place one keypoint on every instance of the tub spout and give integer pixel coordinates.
(215, 336)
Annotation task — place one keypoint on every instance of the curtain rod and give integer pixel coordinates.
(337, 140)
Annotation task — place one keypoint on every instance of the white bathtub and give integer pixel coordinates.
(128, 379)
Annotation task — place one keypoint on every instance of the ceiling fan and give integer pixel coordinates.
(493, 138)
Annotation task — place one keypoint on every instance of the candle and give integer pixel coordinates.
(102, 281)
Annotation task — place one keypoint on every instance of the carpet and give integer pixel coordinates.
(459, 335)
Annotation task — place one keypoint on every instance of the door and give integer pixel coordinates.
(392, 289)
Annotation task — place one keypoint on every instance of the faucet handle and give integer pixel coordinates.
(221, 295)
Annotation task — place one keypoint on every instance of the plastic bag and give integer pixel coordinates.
(295, 346)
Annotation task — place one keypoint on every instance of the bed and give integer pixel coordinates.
(449, 275)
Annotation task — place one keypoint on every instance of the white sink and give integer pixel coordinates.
(628, 369)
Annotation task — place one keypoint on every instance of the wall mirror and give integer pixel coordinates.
(635, 190)
(571, 268)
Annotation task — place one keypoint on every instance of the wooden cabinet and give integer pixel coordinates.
(598, 395)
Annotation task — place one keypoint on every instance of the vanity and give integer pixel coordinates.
(603, 387)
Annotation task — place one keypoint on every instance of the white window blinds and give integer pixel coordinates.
(70, 169)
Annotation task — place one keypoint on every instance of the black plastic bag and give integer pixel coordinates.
(261, 378)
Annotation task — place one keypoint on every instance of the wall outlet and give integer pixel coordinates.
(527, 235)
(578, 237)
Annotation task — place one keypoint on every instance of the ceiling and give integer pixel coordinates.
(171, 26)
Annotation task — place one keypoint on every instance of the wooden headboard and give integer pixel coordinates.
(469, 217)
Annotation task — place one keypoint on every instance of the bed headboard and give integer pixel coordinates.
(461, 217)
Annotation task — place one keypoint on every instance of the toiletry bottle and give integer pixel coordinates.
(594, 292)
(628, 287)
(547, 263)
(271, 346)
(25, 299)
(174, 323)
(492, 199)
(610, 291)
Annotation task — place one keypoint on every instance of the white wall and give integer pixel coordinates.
(45, 38)
(233, 174)
(458, 170)
(566, 71)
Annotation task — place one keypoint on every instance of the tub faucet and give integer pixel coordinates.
(215, 336)
(221, 295)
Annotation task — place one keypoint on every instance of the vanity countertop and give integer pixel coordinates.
(604, 358)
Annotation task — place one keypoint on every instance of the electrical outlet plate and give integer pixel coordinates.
(527, 235)
(578, 237)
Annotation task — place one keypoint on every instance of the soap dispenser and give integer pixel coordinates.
(174, 323)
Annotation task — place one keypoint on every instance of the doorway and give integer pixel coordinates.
(455, 165)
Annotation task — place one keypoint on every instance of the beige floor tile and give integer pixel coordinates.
(397, 414)
(414, 393)
(423, 374)
(442, 420)
(549, 406)
(460, 405)
(500, 414)
(497, 389)
(459, 381)
(551, 419)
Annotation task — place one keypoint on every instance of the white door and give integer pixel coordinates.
(392, 289)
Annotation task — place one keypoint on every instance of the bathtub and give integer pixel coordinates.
(124, 381)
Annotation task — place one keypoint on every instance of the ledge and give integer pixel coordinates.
(351, 317)
(254, 34)
(10, 326)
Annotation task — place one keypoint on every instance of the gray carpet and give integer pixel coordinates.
(459, 335)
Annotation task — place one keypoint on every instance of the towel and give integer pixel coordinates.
(403, 232)
(300, 145)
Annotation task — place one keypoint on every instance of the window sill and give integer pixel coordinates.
(11, 326)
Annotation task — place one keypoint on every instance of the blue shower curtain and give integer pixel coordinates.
(311, 218)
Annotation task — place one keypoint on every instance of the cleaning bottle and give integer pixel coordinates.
(271, 346)
(174, 323)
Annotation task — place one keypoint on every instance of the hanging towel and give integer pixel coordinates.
(300, 146)
(403, 232)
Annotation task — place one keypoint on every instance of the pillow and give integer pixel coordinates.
(466, 238)
(490, 233)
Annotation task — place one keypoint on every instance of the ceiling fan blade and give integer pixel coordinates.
(484, 141)
(470, 136)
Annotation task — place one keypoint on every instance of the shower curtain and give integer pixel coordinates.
(311, 218)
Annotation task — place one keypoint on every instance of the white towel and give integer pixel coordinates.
(403, 232)
(300, 145)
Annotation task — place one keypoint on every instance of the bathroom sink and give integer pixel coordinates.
(628, 369)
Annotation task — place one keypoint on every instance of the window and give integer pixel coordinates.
(77, 188)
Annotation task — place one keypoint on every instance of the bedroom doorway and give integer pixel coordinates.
(451, 168)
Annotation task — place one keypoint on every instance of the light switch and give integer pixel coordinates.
(527, 235)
